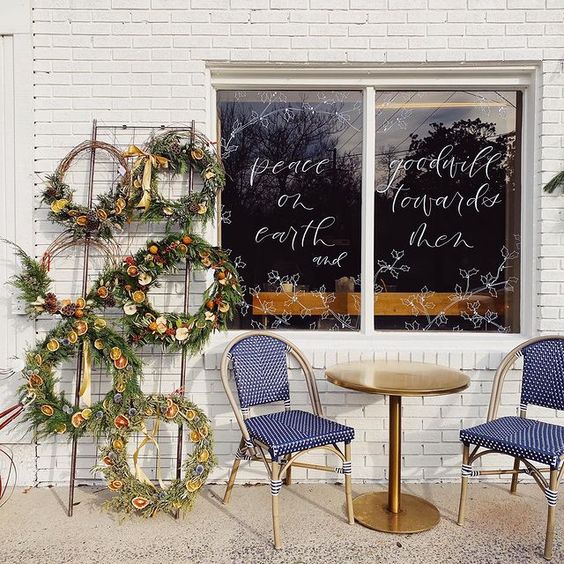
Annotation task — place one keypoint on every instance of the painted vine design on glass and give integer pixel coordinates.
(291, 208)
(447, 196)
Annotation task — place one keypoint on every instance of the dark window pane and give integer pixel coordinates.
(447, 211)
(291, 207)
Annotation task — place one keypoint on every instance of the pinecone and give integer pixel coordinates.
(69, 309)
(110, 301)
(194, 208)
(175, 147)
(92, 221)
(51, 303)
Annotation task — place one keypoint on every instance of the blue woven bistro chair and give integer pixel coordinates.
(526, 440)
(259, 365)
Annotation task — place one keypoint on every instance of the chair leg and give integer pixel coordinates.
(551, 496)
(233, 474)
(515, 476)
(275, 486)
(463, 486)
(348, 485)
(288, 476)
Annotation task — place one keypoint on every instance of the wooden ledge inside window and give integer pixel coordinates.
(385, 303)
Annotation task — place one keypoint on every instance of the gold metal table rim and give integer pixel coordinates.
(393, 512)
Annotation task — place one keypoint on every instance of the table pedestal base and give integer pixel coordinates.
(416, 514)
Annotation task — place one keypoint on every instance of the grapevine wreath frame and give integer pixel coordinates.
(133, 491)
(176, 151)
(110, 211)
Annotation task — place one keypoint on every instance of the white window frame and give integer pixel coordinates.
(369, 79)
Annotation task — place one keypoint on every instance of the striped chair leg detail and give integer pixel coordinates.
(551, 494)
(464, 484)
(275, 487)
(347, 471)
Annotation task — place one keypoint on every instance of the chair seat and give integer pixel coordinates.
(517, 436)
(295, 430)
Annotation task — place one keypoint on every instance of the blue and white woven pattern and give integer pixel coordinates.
(543, 374)
(261, 370)
(468, 471)
(517, 436)
(242, 454)
(345, 469)
(295, 430)
(551, 497)
(275, 486)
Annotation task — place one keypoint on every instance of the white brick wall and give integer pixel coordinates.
(144, 61)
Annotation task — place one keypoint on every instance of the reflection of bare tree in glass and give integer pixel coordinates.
(289, 137)
(467, 137)
(385, 158)
(447, 197)
(293, 128)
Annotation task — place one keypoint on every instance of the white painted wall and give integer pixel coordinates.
(145, 61)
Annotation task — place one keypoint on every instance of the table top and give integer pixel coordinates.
(397, 378)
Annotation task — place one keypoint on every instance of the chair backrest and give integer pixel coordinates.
(543, 374)
(260, 370)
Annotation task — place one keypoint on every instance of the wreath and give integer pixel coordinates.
(176, 151)
(51, 412)
(107, 215)
(133, 490)
(128, 286)
(34, 285)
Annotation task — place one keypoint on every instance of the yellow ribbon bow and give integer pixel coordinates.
(86, 374)
(150, 437)
(148, 161)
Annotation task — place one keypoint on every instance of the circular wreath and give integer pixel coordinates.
(134, 491)
(34, 284)
(109, 212)
(51, 412)
(176, 151)
(129, 285)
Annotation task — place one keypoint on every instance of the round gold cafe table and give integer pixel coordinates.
(392, 511)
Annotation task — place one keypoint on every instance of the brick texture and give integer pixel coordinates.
(143, 61)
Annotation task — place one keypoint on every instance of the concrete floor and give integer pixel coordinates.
(500, 528)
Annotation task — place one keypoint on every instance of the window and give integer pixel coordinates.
(446, 211)
(444, 225)
(291, 208)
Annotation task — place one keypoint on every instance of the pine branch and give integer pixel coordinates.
(33, 280)
(554, 183)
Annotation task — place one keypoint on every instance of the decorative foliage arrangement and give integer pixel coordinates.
(129, 284)
(125, 283)
(175, 152)
(51, 412)
(109, 213)
(133, 490)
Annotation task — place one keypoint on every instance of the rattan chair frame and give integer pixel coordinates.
(258, 450)
(469, 456)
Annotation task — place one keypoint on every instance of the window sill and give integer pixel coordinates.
(388, 340)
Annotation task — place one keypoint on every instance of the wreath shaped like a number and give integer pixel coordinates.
(129, 285)
(133, 490)
(176, 151)
(51, 412)
(110, 211)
